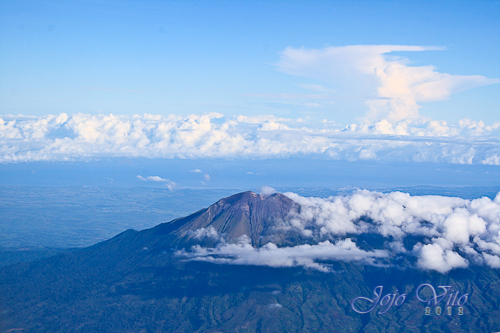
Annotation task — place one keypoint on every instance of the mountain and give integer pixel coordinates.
(244, 214)
(147, 281)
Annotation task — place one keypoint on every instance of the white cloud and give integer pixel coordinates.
(317, 87)
(449, 224)
(258, 119)
(433, 257)
(196, 170)
(170, 184)
(207, 177)
(274, 306)
(83, 137)
(204, 233)
(156, 179)
(273, 126)
(492, 260)
(243, 253)
(266, 191)
(452, 232)
(368, 70)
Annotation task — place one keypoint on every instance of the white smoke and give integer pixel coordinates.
(453, 232)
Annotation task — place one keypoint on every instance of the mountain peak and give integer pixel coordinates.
(248, 214)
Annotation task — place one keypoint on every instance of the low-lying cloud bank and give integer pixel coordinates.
(243, 253)
(85, 137)
(428, 232)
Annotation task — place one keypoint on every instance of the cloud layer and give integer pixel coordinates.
(393, 88)
(86, 137)
(428, 232)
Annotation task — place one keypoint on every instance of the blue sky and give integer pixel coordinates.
(182, 57)
(352, 81)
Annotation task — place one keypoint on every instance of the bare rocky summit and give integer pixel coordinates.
(259, 217)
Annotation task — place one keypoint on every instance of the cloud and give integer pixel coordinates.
(157, 179)
(450, 226)
(266, 190)
(243, 253)
(259, 119)
(204, 233)
(369, 70)
(88, 137)
(207, 177)
(317, 87)
(195, 170)
(433, 257)
(427, 232)
(170, 184)
(274, 306)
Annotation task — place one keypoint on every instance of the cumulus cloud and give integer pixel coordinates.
(170, 184)
(433, 257)
(434, 232)
(370, 70)
(87, 137)
(454, 229)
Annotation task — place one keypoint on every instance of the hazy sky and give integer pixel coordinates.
(286, 58)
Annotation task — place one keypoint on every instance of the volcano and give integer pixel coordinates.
(245, 214)
(139, 281)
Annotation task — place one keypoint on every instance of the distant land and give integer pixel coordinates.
(305, 171)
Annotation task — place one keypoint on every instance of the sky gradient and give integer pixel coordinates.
(182, 57)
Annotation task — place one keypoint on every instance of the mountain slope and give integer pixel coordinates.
(136, 282)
